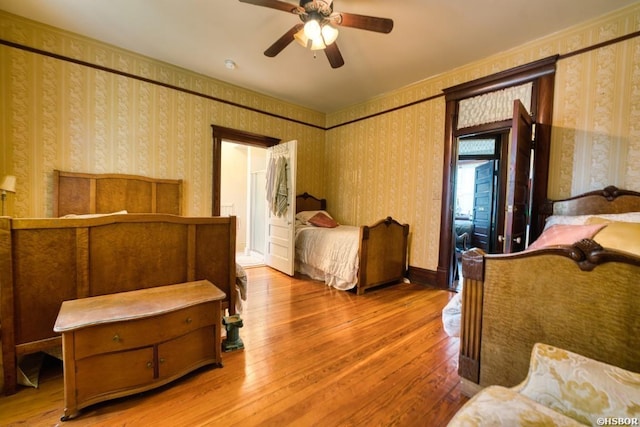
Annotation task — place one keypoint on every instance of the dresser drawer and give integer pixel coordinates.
(125, 335)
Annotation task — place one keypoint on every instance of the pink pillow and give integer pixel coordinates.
(322, 220)
(565, 234)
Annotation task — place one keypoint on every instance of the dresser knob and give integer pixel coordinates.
(149, 364)
(162, 360)
(116, 338)
(189, 320)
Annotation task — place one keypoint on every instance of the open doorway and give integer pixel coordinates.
(537, 79)
(242, 194)
(251, 198)
(479, 191)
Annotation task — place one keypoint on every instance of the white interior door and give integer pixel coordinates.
(280, 230)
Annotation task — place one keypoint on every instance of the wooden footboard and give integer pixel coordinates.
(46, 261)
(383, 253)
(582, 298)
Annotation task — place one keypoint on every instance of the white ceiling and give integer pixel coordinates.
(429, 37)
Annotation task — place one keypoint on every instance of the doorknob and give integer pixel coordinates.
(500, 238)
(517, 240)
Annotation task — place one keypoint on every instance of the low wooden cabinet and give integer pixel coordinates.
(119, 344)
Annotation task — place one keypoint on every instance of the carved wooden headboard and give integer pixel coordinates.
(610, 200)
(307, 202)
(86, 193)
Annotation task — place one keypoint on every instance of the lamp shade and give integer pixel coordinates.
(8, 184)
(317, 44)
(312, 29)
(329, 34)
(301, 38)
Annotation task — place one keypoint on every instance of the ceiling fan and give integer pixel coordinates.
(318, 28)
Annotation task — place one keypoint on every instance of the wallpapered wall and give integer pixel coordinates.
(61, 115)
(56, 114)
(391, 164)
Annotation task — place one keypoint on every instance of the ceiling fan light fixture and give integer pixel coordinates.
(312, 29)
(301, 38)
(329, 34)
(317, 44)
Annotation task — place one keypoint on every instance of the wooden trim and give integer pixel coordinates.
(212, 98)
(422, 276)
(542, 146)
(504, 79)
(243, 137)
(541, 73)
(220, 133)
(151, 81)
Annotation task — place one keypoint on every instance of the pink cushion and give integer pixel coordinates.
(564, 234)
(322, 220)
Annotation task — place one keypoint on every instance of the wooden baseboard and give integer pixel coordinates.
(423, 276)
(469, 388)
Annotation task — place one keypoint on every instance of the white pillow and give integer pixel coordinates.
(582, 219)
(304, 216)
(566, 220)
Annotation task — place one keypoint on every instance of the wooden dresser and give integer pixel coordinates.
(119, 344)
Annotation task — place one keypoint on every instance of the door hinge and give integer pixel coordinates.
(533, 134)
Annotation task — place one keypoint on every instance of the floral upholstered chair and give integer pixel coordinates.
(561, 389)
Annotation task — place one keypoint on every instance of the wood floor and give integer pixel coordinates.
(313, 356)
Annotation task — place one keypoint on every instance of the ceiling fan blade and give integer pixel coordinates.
(363, 22)
(334, 56)
(273, 4)
(282, 42)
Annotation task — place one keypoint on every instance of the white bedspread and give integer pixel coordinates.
(329, 254)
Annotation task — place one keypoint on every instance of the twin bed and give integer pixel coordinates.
(345, 256)
(576, 288)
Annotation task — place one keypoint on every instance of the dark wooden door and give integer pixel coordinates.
(483, 202)
(517, 194)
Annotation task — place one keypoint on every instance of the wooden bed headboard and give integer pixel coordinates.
(583, 298)
(87, 193)
(610, 200)
(307, 202)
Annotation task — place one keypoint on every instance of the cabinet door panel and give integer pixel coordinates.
(187, 352)
(113, 373)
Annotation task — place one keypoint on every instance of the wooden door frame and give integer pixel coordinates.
(542, 74)
(219, 134)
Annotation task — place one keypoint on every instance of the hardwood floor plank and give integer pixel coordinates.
(313, 356)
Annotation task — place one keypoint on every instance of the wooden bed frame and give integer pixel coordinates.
(46, 261)
(582, 298)
(382, 249)
(87, 193)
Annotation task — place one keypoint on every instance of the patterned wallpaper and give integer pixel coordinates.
(61, 115)
(391, 164)
(493, 106)
(56, 114)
